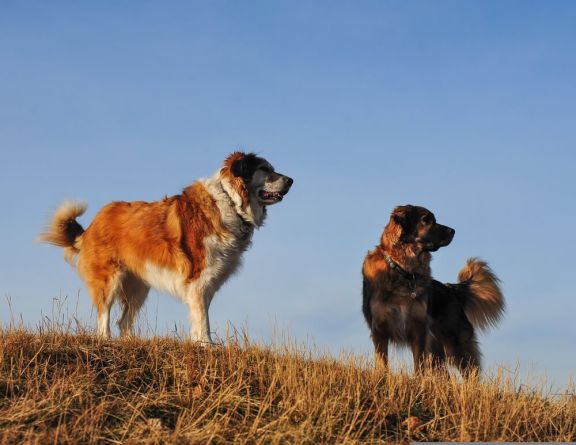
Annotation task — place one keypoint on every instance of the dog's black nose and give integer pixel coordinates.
(289, 181)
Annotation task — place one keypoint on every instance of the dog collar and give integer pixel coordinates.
(410, 276)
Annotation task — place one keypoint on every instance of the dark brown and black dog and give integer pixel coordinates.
(404, 305)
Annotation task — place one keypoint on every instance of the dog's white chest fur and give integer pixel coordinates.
(223, 257)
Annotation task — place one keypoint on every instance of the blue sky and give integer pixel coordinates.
(467, 108)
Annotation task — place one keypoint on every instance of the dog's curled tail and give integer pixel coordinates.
(63, 230)
(484, 302)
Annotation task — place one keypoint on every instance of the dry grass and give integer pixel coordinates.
(65, 388)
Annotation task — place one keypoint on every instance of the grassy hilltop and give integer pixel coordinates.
(64, 388)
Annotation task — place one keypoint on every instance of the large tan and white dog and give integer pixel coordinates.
(186, 245)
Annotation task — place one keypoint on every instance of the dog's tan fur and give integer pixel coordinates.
(187, 244)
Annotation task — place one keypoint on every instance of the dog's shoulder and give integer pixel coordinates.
(375, 265)
(377, 280)
(197, 202)
(372, 268)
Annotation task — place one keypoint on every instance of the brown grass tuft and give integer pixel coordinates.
(64, 388)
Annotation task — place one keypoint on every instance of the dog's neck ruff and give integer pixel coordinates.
(249, 217)
(410, 276)
(246, 224)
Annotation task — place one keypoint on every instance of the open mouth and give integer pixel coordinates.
(271, 196)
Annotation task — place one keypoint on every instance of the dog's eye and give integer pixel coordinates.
(426, 219)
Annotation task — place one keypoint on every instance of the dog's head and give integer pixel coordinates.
(253, 176)
(416, 226)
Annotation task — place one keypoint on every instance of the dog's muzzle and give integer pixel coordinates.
(272, 197)
(446, 235)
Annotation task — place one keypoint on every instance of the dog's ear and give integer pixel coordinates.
(238, 168)
(395, 230)
(399, 219)
(401, 216)
(245, 166)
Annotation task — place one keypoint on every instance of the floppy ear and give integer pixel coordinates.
(403, 219)
(400, 226)
(245, 166)
(238, 167)
(394, 229)
(399, 219)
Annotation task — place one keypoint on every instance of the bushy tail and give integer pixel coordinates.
(484, 302)
(63, 230)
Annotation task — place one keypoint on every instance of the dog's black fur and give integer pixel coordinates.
(403, 304)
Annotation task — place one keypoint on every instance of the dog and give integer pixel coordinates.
(403, 304)
(187, 245)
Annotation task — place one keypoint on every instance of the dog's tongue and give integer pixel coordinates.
(274, 195)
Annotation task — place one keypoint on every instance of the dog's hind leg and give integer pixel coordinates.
(467, 354)
(103, 279)
(435, 350)
(132, 295)
(103, 290)
(460, 346)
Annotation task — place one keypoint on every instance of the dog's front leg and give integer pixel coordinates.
(198, 302)
(418, 345)
(380, 338)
